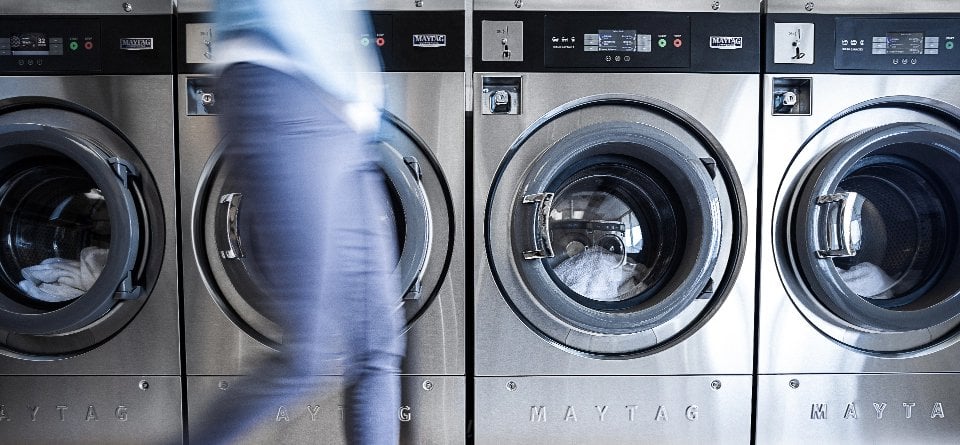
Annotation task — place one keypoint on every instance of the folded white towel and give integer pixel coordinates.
(59, 279)
(868, 280)
(53, 293)
(52, 270)
(595, 273)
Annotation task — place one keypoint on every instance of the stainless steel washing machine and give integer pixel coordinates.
(859, 298)
(615, 174)
(89, 302)
(423, 144)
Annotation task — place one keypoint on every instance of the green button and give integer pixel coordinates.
(74, 46)
(662, 43)
(949, 45)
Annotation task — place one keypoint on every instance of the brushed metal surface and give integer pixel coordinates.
(607, 410)
(432, 411)
(91, 409)
(93, 7)
(793, 338)
(142, 108)
(866, 408)
(726, 105)
(620, 5)
(871, 7)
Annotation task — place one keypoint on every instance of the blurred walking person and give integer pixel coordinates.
(300, 100)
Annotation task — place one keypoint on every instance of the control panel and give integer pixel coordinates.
(897, 44)
(51, 45)
(616, 41)
(648, 40)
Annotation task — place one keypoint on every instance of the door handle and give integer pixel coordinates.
(229, 231)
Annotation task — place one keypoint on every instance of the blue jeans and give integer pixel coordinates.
(313, 226)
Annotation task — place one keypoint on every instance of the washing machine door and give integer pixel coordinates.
(75, 255)
(613, 226)
(420, 206)
(874, 236)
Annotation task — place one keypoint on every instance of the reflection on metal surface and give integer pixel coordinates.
(591, 409)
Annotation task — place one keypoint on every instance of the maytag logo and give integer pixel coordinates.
(429, 40)
(725, 42)
(136, 43)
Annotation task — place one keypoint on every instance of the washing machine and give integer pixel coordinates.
(615, 169)
(89, 303)
(858, 292)
(422, 141)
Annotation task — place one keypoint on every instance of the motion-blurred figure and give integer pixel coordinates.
(299, 98)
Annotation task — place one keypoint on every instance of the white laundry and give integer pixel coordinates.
(59, 279)
(868, 280)
(595, 273)
(53, 293)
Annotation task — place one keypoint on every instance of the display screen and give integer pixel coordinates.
(29, 44)
(622, 40)
(905, 43)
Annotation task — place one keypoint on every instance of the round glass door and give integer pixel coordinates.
(875, 234)
(75, 233)
(612, 227)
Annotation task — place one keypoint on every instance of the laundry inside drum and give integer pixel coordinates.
(900, 233)
(57, 235)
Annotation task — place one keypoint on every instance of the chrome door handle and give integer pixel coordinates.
(230, 214)
(541, 226)
(841, 225)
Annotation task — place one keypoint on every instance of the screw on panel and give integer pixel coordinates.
(715, 384)
(794, 383)
(223, 385)
(511, 386)
(427, 385)
(715, 6)
(808, 6)
(143, 385)
(418, 3)
(518, 3)
(127, 7)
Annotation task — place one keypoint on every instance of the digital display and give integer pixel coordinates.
(905, 43)
(621, 40)
(29, 44)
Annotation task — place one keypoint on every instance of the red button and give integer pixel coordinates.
(88, 45)
(677, 43)
(381, 41)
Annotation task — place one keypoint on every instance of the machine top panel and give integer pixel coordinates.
(863, 44)
(625, 41)
(92, 7)
(861, 7)
(186, 6)
(408, 41)
(43, 45)
(745, 6)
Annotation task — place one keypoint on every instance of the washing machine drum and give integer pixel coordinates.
(875, 231)
(615, 239)
(75, 241)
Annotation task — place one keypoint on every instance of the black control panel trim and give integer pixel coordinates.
(829, 48)
(714, 42)
(428, 41)
(85, 45)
